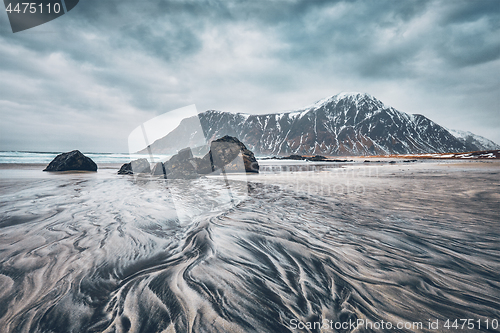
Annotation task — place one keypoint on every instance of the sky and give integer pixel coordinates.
(87, 79)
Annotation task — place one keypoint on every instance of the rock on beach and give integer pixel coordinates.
(71, 161)
(223, 155)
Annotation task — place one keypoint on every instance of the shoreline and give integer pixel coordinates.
(355, 161)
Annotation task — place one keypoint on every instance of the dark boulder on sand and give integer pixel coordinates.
(72, 161)
(224, 152)
(140, 165)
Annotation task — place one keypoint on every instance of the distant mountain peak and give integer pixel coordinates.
(353, 96)
(348, 123)
(347, 97)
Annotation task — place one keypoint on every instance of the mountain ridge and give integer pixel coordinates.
(466, 136)
(340, 125)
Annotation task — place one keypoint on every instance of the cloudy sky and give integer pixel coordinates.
(87, 79)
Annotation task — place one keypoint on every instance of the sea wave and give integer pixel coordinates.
(25, 157)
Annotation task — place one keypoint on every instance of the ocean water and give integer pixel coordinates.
(98, 252)
(24, 157)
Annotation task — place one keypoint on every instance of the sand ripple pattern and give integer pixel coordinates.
(80, 254)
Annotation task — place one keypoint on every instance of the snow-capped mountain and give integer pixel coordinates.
(344, 124)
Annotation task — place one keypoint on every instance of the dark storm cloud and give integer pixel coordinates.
(470, 11)
(375, 41)
(119, 63)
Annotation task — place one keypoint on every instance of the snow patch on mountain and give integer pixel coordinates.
(468, 137)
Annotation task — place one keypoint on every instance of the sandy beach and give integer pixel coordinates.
(407, 243)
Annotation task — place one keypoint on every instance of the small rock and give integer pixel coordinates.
(295, 157)
(126, 169)
(140, 165)
(317, 158)
(72, 161)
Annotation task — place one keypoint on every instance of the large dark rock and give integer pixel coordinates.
(140, 165)
(72, 161)
(224, 152)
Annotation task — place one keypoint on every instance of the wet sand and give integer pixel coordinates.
(400, 243)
